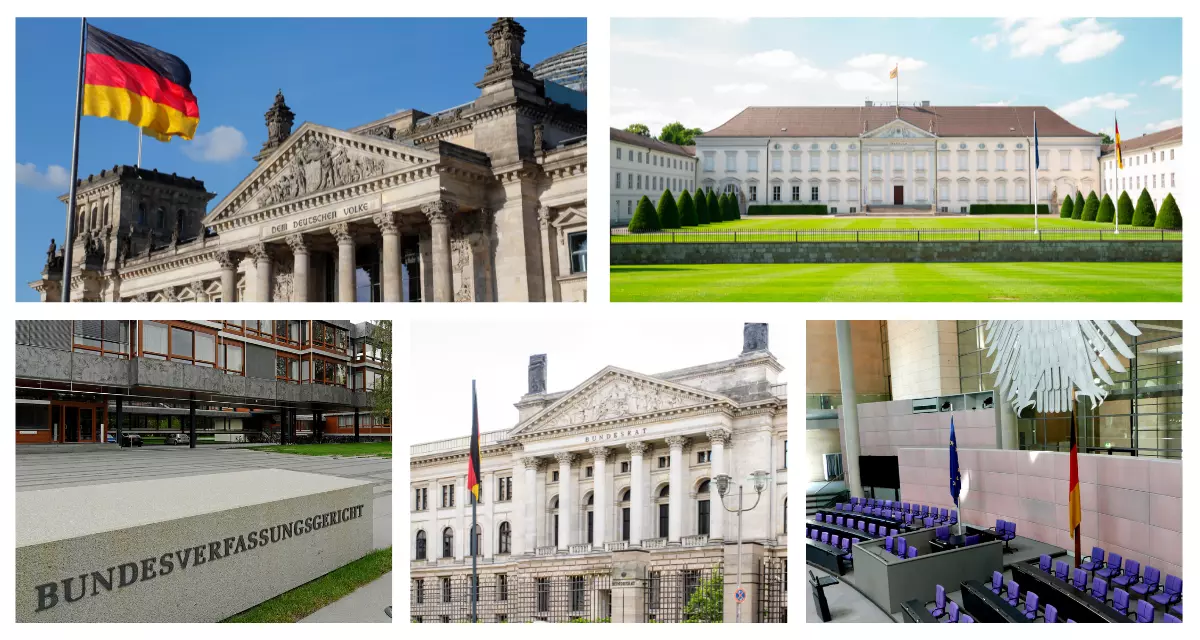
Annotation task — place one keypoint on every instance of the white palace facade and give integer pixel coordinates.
(854, 159)
(1153, 162)
(613, 478)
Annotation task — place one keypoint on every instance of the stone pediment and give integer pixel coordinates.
(613, 395)
(313, 160)
(899, 129)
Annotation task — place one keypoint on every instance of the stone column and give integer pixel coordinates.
(198, 292)
(566, 501)
(716, 529)
(849, 408)
(228, 263)
(637, 499)
(391, 256)
(544, 219)
(299, 245)
(439, 222)
(345, 243)
(675, 508)
(262, 270)
(532, 466)
(600, 499)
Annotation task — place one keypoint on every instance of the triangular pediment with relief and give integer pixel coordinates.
(614, 395)
(313, 160)
(899, 129)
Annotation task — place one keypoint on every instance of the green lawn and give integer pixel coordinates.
(381, 449)
(948, 282)
(307, 598)
(942, 222)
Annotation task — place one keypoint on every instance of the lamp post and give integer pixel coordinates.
(757, 479)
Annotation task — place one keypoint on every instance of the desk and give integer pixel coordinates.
(826, 556)
(985, 606)
(915, 611)
(1078, 606)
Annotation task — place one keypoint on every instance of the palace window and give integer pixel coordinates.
(504, 489)
(504, 544)
(447, 496)
(751, 162)
(421, 542)
(795, 193)
(815, 194)
(578, 245)
(775, 189)
(447, 552)
(421, 499)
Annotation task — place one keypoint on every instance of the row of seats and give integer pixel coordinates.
(869, 528)
(913, 515)
(899, 547)
(942, 606)
(1124, 574)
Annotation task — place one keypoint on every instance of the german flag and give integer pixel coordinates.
(1075, 511)
(473, 464)
(139, 84)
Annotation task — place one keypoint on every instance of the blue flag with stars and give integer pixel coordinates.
(955, 477)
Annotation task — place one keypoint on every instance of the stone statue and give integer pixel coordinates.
(537, 373)
(754, 337)
(1053, 202)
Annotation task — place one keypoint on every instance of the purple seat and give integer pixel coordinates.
(1051, 614)
(871, 529)
(997, 582)
(912, 552)
(966, 618)
(953, 612)
(1044, 563)
(887, 543)
(1145, 612)
(901, 547)
(970, 540)
(1149, 583)
(1079, 579)
(1130, 575)
(1014, 593)
(1112, 568)
(1060, 570)
(1170, 618)
(1172, 591)
(1120, 601)
(939, 602)
(1094, 561)
(1031, 612)
(1099, 589)
(825, 537)
(942, 533)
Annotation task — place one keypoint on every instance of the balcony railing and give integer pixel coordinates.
(698, 540)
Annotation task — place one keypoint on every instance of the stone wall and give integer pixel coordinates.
(878, 252)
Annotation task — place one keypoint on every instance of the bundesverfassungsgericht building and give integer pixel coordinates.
(90, 381)
(1151, 163)
(484, 201)
(602, 502)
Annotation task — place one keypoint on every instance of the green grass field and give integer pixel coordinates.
(950, 282)
(381, 449)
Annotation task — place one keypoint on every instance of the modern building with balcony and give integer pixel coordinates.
(90, 381)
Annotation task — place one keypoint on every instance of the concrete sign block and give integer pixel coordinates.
(188, 549)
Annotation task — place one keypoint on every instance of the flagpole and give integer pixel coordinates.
(475, 555)
(65, 285)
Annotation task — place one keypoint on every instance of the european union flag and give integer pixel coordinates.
(955, 478)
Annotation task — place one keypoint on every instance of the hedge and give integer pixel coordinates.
(1169, 216)
(1090, 207)
(788, 210)
(687, 210)
(701, 203)
(1065, 210)
(1143, 215)
(668, 213)
(996, 209)
(1107, 210)
(645, 218)
(1124, 209)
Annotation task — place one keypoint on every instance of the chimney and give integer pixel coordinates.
(754, 337)
(870, 103)
(537, 374)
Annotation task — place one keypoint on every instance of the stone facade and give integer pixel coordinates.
(486, 201)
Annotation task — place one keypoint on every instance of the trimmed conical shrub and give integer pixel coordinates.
(1065, 210)
(687, 210)
(1107, 210)
(1090, 207)
(1124, 209)
(645, 218)
(701, 204)
(1077, 210)
(715, 212)
(668, 212)
(1169, 216)
(733, 209)
(1143, 214)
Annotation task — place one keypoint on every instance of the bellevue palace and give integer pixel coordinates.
(857, 158)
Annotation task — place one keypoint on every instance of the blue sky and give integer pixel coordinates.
(335, 72)
(702, 72)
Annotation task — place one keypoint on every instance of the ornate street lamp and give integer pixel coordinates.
(758, 480)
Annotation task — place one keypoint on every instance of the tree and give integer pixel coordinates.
(1124, 209)
(1065, 210)
(1143, 214)
(645, 218)
(676, 133)
(687, 210)
(668, 213)
(707, 602)
(1169, 216)
(701, 202)
(639, 128)
(1107, 210)
(733, 209)
(1077, 212)
(716, 212)
(1090, 207)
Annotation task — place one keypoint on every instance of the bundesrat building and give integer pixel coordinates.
(484, 201)
(602, 503)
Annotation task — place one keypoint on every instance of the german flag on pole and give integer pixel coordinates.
(1075, 511)
(473, 468)
(139, 84)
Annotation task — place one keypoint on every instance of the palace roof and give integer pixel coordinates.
(761, 122)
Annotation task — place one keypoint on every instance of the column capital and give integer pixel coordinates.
(718, 435)
(227, 259)
(637, 448)
(565, 457)
(386, 221)
(341, 231)
(439, 211)
(259, 252)
(599, 453)
(298, 243)
(676, 442)
(533, 463)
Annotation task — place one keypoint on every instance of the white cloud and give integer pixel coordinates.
(748, 87)
(1165, 124)
(883, 61)
(222, 144)
(1108, 101)
(1073, 42)
(1175, 82)
(987, 42)
(55, 177)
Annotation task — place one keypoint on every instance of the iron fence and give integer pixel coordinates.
(685, 595)
(773, 584)
(504, 598)
(623, 236)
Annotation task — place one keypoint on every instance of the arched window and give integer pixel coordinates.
(702, 509)
(447, 542)
(477, 541)
(505, 545)
(420, 545)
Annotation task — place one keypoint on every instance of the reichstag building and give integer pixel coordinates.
(484, 201)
